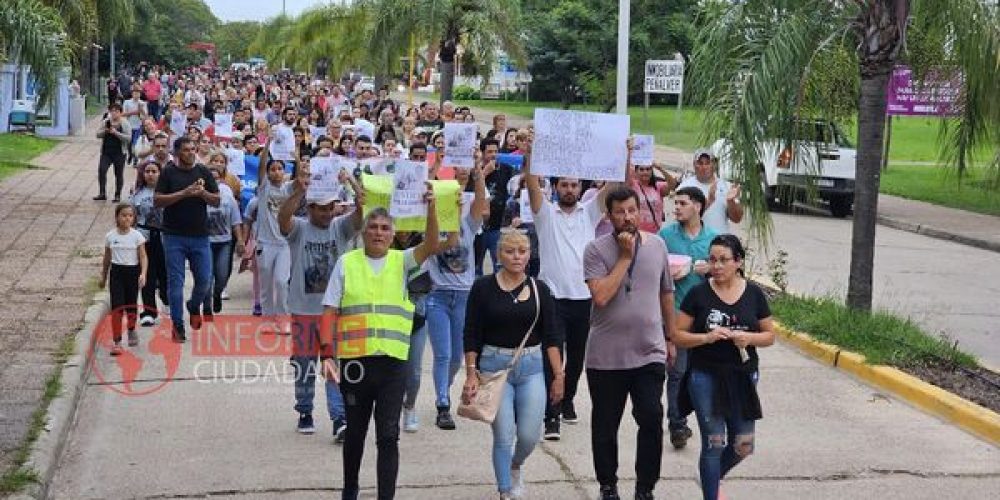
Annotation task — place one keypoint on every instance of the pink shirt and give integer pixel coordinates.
(649, 196)
(152, 90)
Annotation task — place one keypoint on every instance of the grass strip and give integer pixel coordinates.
(881, 337)
(17, 151)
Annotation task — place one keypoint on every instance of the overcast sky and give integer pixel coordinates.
(259, 10)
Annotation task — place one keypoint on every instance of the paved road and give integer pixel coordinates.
(208, 434)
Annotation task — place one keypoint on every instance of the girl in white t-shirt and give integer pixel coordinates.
(125, 258)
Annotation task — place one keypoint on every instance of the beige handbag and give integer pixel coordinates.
(486, 403)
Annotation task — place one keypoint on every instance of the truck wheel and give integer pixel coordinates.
(840, 205)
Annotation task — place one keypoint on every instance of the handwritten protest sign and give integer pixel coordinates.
(235, 163)
(178, 122)
(323, 178)
(224, 125)
(460, 144)
(378, 193)
(283, 143)
(408, 189)
(579, 144)
(643, 152)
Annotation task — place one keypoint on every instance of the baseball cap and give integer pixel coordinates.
(698, 153)
(321, 200)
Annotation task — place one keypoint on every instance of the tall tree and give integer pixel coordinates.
(32, 34)
(751, 68)
(230, 39)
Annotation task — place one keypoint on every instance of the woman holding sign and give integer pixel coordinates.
(651, 192)
(452, 273)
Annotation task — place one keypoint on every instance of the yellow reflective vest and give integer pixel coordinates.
(376, 315)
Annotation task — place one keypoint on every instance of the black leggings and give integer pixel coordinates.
(124, 287)
(367, 383)
(102, 172)
(156, 276)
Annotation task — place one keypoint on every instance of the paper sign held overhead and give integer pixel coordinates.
(644, 149)
(460, 144)
(408, 188)
(283, 143)
(324, 183)
(178, 123)
(223, 124)
(580, 144)
(235, 161)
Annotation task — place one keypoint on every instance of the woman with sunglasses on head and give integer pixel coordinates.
(723, 321)
(502, 308)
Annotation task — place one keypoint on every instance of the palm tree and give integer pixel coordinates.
(32, 34)
(752, 62)
(480, 26)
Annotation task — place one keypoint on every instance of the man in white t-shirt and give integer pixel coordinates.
(723, 197)
(134, 110)
(564, 229)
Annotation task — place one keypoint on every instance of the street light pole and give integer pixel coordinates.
(623, 30)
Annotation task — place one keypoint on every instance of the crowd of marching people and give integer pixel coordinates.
(583, 278)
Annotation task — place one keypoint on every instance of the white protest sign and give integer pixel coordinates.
(178, 123)
(467, 198)
(642, 154)
(376, 165)
(527, 217)
(283, 143)
(323, 178)
(316, 133)
(579, 144)
(235, 161)
(460, 144)
(224, 125)
(409, 183)
(365, 127)
(664, 77)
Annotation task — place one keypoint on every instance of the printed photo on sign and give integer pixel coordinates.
(324, 183)
(644, 149)
(236, 161)
(580, 144)
(460, 144)
(224, 125)
(178, 123)
(409, 185)
(283, 143)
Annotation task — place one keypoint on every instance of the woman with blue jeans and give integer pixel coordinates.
(723, 321)
(502, 309)
(225, 226)
(452, 272)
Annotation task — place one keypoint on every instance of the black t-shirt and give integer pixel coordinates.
(188, 216)
(493, 318)
(496, 188)
(111, 145)
(710, 312)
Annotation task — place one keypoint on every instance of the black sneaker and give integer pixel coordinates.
(609, 492)
(339, 430)
(194, 317)
(100, 197)
(679, 438)
(644, 494)
(444, 420)
(306, 424)
(569, 413)
(217, 304)
(552, 430)
(178, 334)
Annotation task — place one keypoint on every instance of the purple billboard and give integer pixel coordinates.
(937, 95)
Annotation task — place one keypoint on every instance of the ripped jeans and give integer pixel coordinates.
(725, 441)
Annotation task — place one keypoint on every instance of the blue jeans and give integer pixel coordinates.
(490, 238)
(305, 338)
(196, 250)
(521, 412)
(676, 421)
(415, 360)
(446, 325)
(725, 441)
(222, 268)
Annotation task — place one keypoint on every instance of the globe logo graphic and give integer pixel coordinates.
(139, 370)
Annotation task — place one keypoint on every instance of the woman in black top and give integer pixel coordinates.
(500, 311)
(723, 321)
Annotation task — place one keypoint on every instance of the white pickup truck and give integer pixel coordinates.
(823, 158)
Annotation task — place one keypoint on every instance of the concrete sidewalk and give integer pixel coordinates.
(960, 226)
(220, 428)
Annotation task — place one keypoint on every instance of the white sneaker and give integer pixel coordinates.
(225, 295)
(410, 420)
(517, 483)
(147, 321)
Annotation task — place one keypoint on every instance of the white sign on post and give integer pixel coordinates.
(323, 178)
(224, 125)
(580, 144)
(283, 143)
(642, 154)
(664, 77)
(409, 183)
(460, 144)
(235, 161)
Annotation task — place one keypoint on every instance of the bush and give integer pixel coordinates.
(465, 93)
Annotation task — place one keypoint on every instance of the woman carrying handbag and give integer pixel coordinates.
(510, 320)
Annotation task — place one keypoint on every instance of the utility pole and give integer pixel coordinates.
(623, 31)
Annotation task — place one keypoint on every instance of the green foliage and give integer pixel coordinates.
(338, 34)
(29, 34)
(880, 336)
(466, 93)
(164, 33)
(941, 186)
(230, 40)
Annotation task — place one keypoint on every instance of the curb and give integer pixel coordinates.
(61, 413)
(940, 234)
(972, 418)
